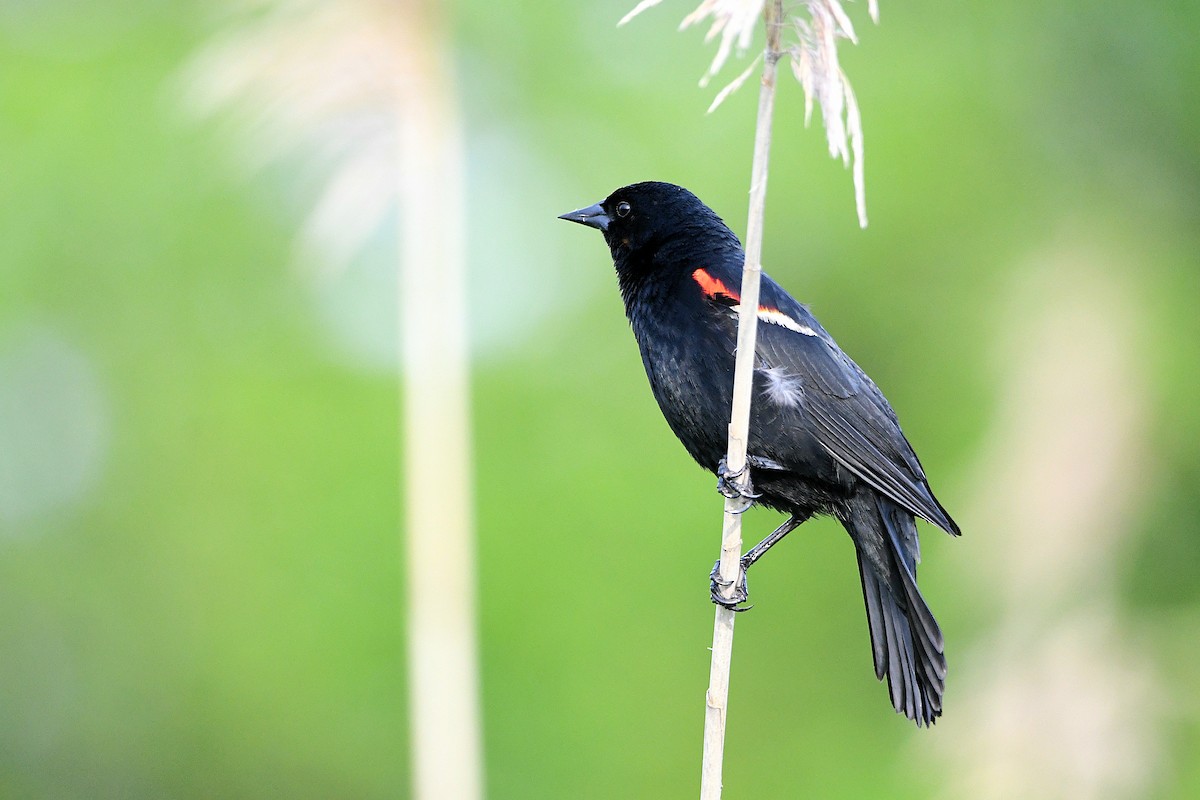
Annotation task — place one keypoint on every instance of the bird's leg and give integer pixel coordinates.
(760, 549)
(736, 484)
(740, 590)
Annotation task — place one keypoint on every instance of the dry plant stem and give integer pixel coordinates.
(445, 733)
(739, 425)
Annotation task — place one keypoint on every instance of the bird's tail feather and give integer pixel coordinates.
(905, 638)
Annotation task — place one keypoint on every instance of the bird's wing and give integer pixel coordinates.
(853, 421)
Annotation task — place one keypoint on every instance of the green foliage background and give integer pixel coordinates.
(217, 613)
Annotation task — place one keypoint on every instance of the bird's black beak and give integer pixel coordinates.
(592, 216)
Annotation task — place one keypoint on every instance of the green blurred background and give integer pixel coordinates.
(200, 556)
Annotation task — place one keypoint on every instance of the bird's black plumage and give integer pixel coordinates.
(823, 439)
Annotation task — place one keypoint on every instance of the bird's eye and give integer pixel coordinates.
(622, 209)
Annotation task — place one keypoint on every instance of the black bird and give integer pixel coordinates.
(823, 440)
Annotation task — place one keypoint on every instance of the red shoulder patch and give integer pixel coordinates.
(713, 287)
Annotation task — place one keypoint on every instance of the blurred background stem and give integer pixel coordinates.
(445, 737)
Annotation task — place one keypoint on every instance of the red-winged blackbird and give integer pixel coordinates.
(823, 440)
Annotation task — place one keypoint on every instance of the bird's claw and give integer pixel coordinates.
(717, 586)
(735, 484)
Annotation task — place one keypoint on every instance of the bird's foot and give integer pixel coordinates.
(740, 593)
(736, 484)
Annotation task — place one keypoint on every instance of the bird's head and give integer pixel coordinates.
(640, 220)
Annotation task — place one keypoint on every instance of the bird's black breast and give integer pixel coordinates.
(688, 344)
(689, 356)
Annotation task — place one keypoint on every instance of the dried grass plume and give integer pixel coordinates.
(817, 26)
